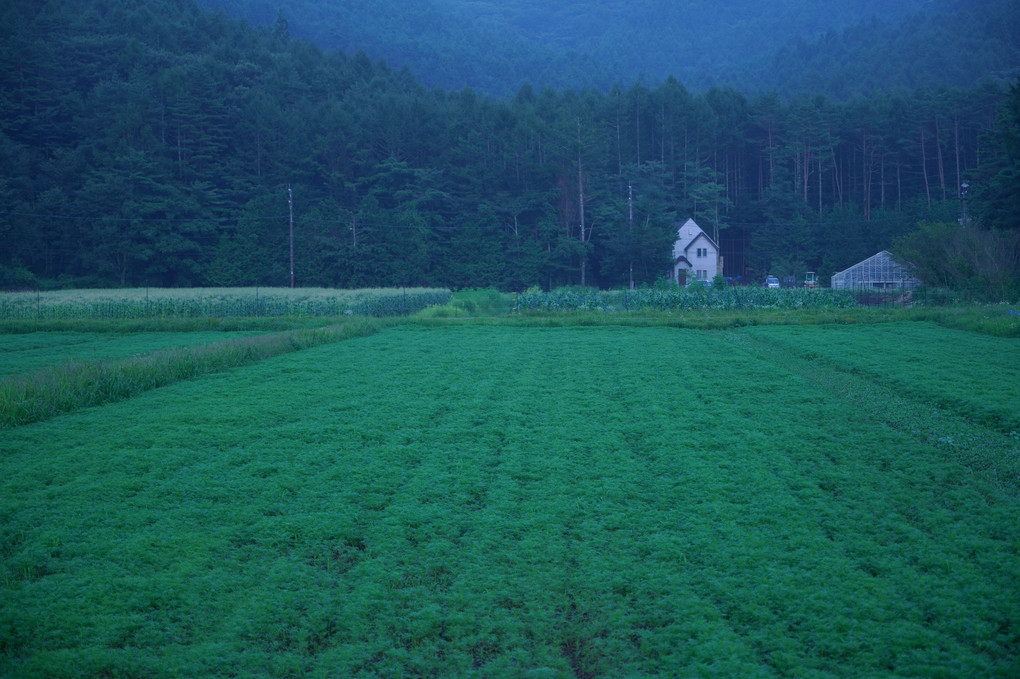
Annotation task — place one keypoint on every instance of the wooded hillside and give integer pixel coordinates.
(831, 47)
(155, 143)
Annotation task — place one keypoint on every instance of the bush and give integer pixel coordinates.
(482, 301)
(983, 264)
(17, 277)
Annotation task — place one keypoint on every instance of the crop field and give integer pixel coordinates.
(674, 298)
(216, 302)
(488, 501)
(32, 351)
(973, 374)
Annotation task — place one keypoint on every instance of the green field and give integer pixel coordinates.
(28, 352)
(490, 501)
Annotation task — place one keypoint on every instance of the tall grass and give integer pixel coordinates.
(80, 384)
(163, 324)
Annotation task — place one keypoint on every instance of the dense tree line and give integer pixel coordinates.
(156, 143)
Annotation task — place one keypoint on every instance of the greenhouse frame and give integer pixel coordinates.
(878, 272)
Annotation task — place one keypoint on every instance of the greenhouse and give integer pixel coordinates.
(878, 272)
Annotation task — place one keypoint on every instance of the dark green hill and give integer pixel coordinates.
(830, 47)
(155, 143)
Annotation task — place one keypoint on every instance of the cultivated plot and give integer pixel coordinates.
(22, 353)
(478, 501)
(975, 375)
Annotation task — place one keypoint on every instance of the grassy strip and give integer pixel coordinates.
(992, 320)
(164, 324)
(80, 384)
(987, 319)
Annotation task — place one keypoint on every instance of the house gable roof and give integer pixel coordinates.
(701, 236)
(687, 234)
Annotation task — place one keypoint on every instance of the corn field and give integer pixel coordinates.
(682, 299)
(217, 302)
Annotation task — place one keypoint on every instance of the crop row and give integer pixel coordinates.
(217, 302)
(442, 513)
(681, 299)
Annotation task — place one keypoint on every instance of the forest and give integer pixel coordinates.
(159, 143)
(832, 47)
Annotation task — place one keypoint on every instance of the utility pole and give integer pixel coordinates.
(963, 200)
(290, 204)
(630, 205)
(580, 200)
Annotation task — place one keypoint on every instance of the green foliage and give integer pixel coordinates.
(216, 303)
(74, 382)
(159, 145)
(487, 501)
(983, 264)
(25, 352)
(998, 320)
(482, 302)
(888, 353)
(675, 298)
(996, 199)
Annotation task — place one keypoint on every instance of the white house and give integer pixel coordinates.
(695, 255)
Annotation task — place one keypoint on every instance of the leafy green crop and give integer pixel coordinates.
(975, 375)
(488, 501)
(34, 351)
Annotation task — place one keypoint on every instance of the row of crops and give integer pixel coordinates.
(217, 302)
(682, 299)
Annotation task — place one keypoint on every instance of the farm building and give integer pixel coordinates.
(878, 272)
(695, 255)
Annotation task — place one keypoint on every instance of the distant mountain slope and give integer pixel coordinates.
(969, 43)
(495, 46)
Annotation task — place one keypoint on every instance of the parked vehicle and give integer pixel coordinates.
(809, 280)
(771, 282)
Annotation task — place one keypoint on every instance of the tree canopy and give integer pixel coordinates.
(155, 143)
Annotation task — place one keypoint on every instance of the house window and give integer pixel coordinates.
(702, 252)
